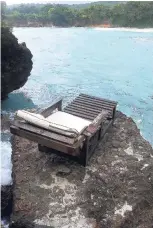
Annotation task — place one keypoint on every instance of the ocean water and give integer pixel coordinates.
(112, 63)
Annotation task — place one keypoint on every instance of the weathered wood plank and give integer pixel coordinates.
(102, 116)
(81, 111)
(56, 145)
(93, 127)
(98, 98)
(91, 105)
(91, 101)
(47, 112)
(44, 132)
(89, 132)
(110, 112)
(81, 107)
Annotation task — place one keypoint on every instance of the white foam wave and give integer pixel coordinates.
(139, 121)
(6, 165)
(125, 29)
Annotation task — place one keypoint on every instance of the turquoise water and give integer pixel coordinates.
(115, 64)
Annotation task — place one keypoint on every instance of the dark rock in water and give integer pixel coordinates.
(16, 63)
(115, 190)
(5, 122)
(6, 200)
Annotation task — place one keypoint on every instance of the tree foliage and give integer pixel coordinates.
(127, 14)
(3, 12)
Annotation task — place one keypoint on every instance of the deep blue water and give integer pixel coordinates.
(116, 64)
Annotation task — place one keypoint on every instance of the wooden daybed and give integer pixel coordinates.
(99, 112)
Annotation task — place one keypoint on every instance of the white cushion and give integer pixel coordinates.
(65, 121)
(59, 122)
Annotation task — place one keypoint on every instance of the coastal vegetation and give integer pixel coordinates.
(114, 14)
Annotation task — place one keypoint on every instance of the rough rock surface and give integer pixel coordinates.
(16, 63)
(114, 190)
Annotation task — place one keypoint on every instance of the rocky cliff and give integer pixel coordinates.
(115, 190)
(16, 63)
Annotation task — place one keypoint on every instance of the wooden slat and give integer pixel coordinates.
(91, 105)
(81, 111)
(91, 101)
(43, 132)
(101, 117)
(81, 107)
(56, 145)
(68, 108)
(93, 127)
(47, 112)
(80, 115)
(98, 98)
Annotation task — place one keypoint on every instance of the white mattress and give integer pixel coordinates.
(67, 121)
(59, 122)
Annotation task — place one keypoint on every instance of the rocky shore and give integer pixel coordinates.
(115, 190)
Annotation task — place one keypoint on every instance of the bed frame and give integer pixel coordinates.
(100, 112)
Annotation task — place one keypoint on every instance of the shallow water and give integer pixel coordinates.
(111, 63)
